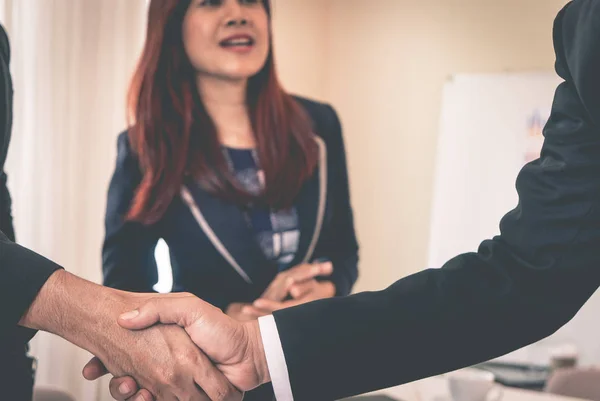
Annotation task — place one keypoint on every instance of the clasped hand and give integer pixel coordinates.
(291, 287)
(210, 356)
(231, 361)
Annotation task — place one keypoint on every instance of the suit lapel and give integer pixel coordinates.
(225, 226)
(311, 208)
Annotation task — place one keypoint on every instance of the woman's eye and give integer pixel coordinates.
(210, 3)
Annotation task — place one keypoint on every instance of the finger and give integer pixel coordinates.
(94, 369)
(181, 311)
(123, 388)
(276, 290)
(268, 305)
(275, 306)
(280, 287)
(142, 395)
(213, 382)
(310, 271)
(299, 290)
(254, 312)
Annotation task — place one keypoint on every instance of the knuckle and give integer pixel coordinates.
(186, 397)
(187, 356)
(223, 392)
(165, 376)
(152, 303)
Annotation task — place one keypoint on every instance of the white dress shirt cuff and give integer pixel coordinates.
(275, 359)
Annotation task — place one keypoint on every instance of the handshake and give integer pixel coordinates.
(182, 348)
(218, 357)
(171, 347)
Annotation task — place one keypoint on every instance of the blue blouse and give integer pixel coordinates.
(276, 231)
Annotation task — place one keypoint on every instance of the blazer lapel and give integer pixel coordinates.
(311, 208)
(226, 227)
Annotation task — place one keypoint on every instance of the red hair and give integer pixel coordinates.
(174, 137)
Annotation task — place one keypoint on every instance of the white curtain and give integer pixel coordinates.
(71, 62)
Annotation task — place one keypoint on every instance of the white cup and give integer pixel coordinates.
(564, 356)
(473, 385)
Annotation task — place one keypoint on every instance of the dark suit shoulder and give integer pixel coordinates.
(325, 120)
(123, 143)
(577, 44)
(126, 156)
(310, 105)
(4, 44)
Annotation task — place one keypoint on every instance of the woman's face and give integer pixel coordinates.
(228, 39)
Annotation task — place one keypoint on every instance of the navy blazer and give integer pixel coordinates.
(214, 253)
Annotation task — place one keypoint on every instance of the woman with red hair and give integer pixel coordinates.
(245, 183)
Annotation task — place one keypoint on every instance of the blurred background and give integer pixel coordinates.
(432, 95)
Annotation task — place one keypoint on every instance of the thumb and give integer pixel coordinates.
(179, 311)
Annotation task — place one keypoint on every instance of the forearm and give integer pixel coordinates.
(77, 310)
(24, 273)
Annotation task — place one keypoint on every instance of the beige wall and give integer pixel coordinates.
(300, 39)
(383, 64)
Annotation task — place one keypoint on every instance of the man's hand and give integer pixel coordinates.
(163, 359)
(293, 280)
(166, 363)
(236, 348)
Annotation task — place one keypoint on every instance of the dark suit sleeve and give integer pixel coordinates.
(23, 275)
(6, 224)
(128, 253)
(22, 272)
(340, 245)
(6, 94)
(519, 287)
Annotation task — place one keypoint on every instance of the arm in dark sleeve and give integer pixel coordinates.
(128, 253)
(23, 275)
(6, 224)
(518, 288)
(22, 272)
(6, 95)
(340, 246)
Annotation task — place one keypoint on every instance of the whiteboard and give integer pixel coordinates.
(489, 128)
(484, 140)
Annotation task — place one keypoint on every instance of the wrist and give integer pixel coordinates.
(257, 351)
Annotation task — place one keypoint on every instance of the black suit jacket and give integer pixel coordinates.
(519, 287)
